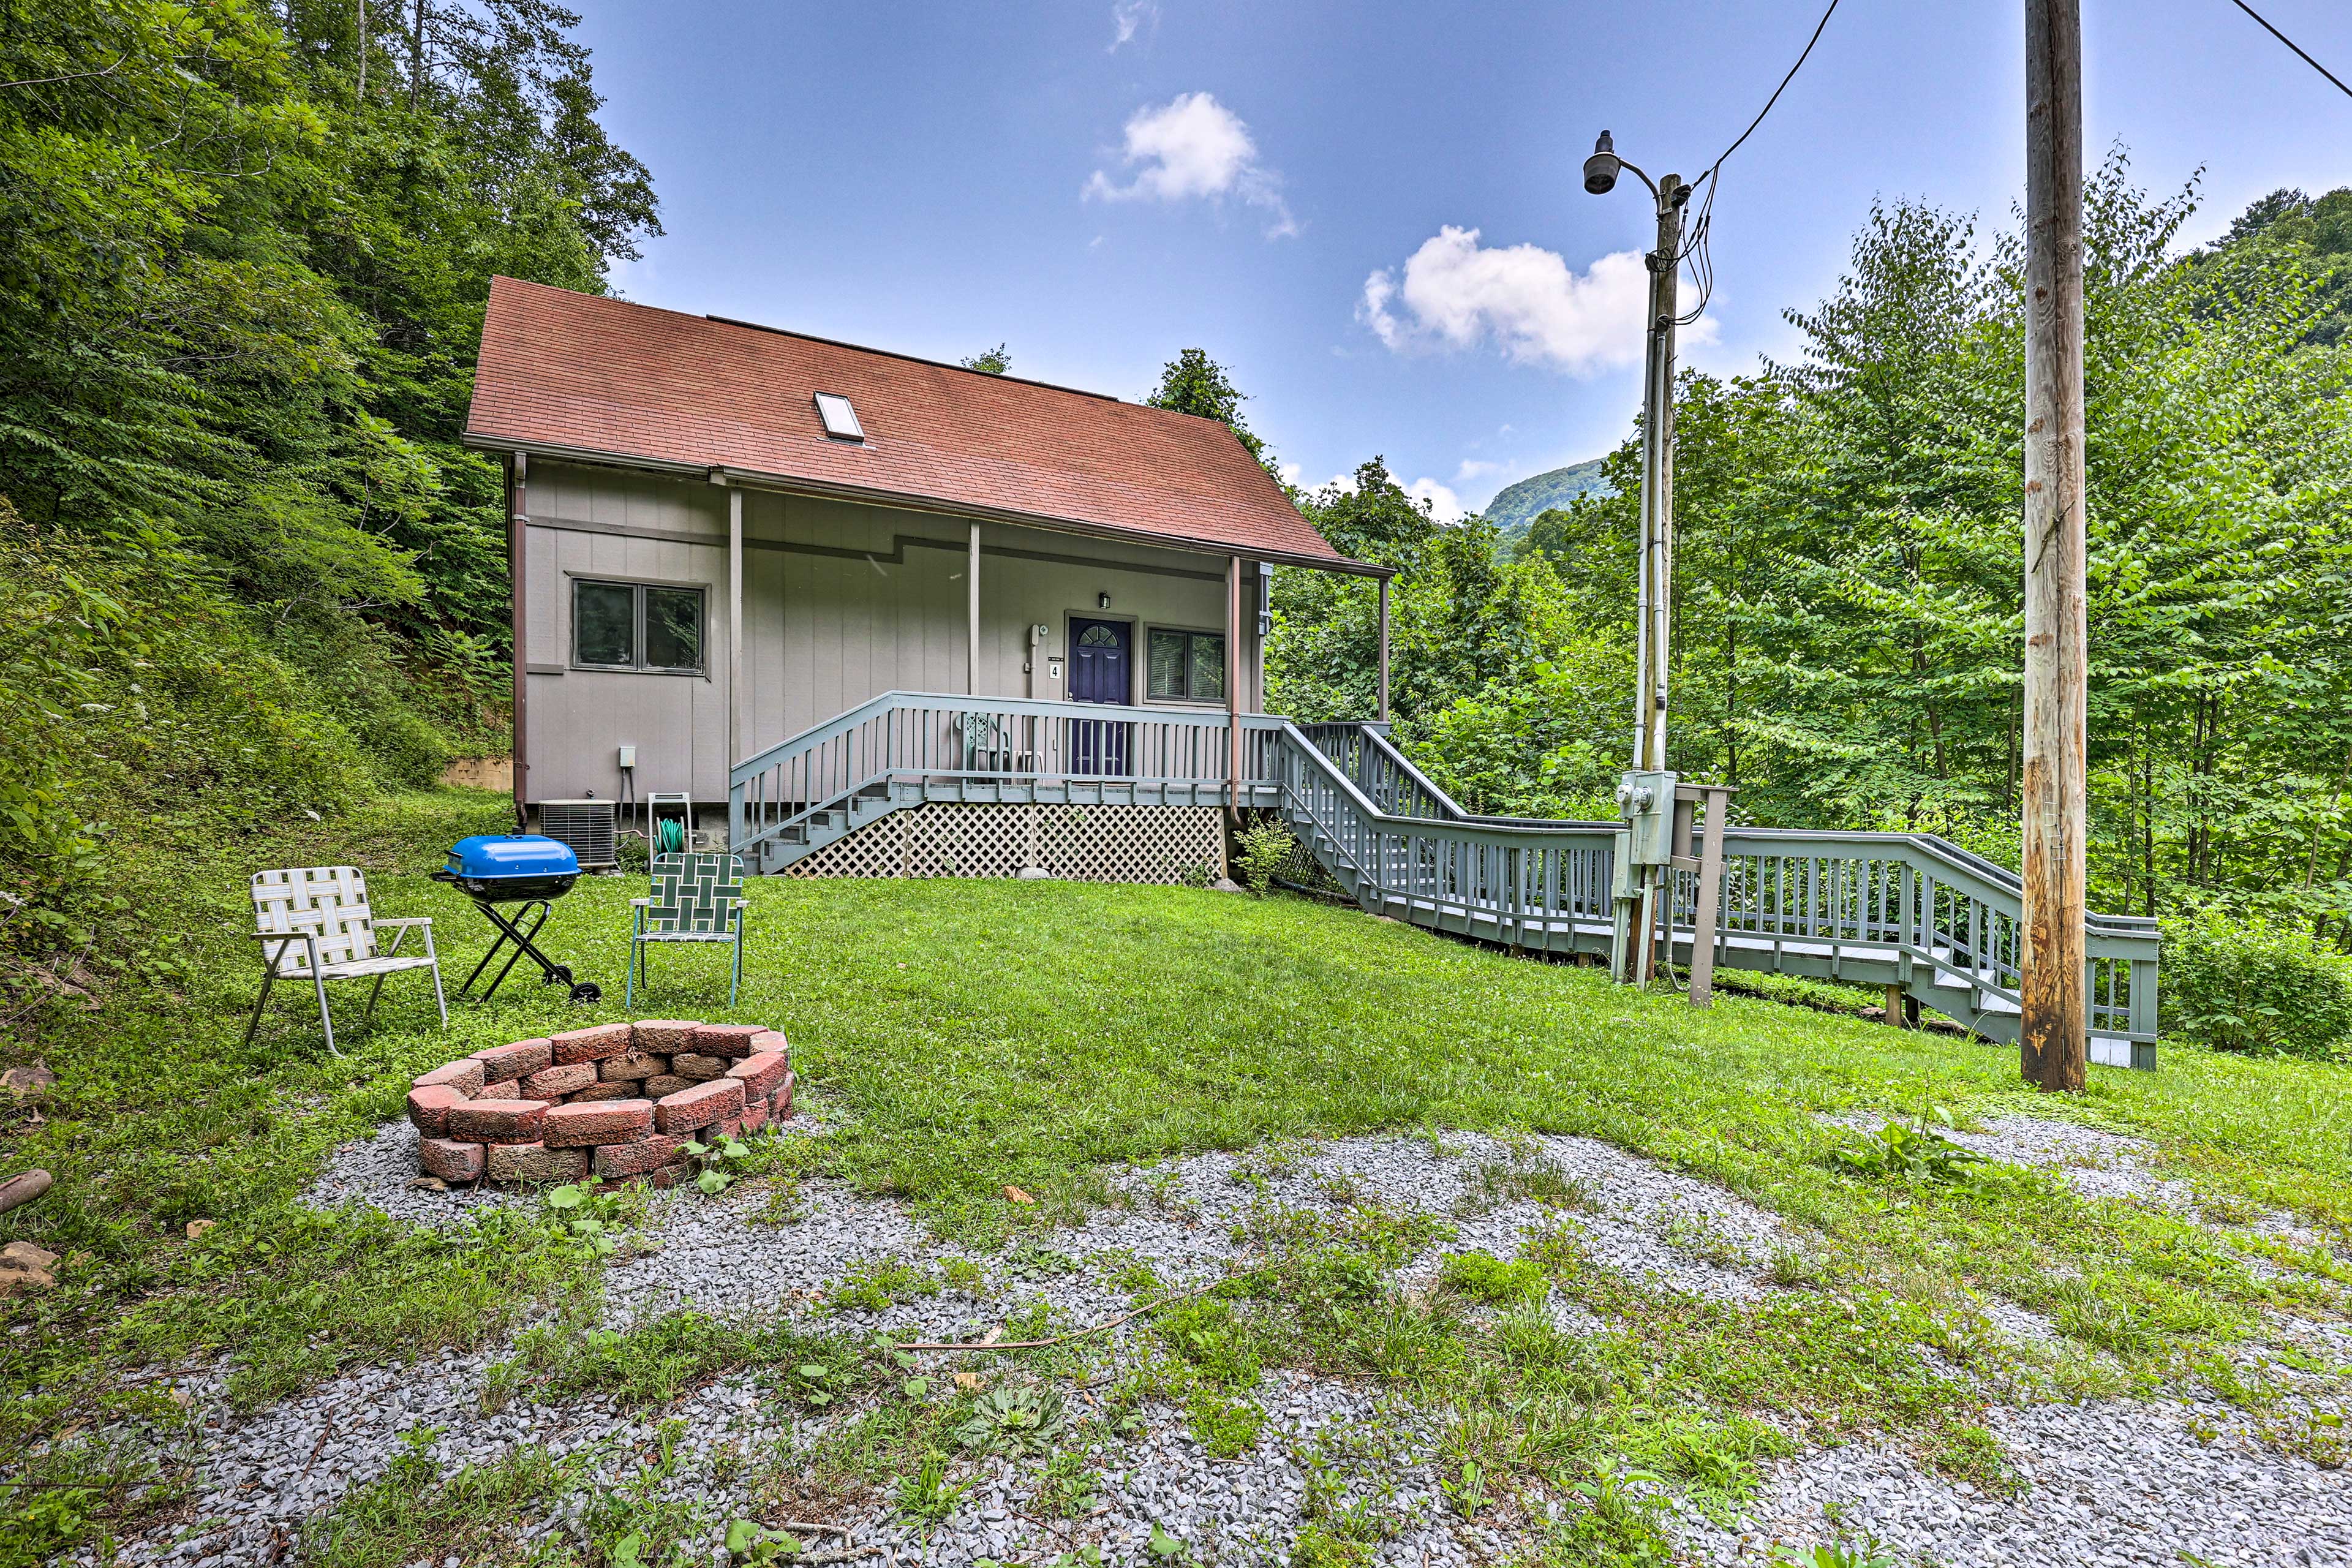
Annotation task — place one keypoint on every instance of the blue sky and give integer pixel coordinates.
(1371, 212)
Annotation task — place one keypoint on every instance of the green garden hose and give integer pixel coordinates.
(670, 836)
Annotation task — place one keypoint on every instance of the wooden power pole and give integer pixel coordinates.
(2055, 1034)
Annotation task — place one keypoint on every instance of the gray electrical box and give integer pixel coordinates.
(1646, 803)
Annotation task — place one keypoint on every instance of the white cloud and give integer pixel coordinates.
(1456, 293)
(1473, 467)
(1194, 148)
(1129, 17)
(1444, 504)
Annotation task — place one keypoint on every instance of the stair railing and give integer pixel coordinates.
(1946, 917)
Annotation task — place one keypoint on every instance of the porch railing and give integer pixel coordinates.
(1158, 754)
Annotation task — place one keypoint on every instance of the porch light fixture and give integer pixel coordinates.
(1102, 601)
(840, 418)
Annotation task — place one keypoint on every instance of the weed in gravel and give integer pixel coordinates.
(1317, 1547)
(1793, 1270)
(1226, 1427)
(1483, 1277)
(927, 1496)
(1617, 1522)
(873, 1285)
(656, 1361)
(1704, 1239)
(2317, 1434)
(1015, 1419)
(1526, 1177)
(1066, 1488)
(413, 1512)
(782, 1205)
(1903, 1153)
(1972, 1454)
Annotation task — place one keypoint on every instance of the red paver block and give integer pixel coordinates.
(771, 1040)
(429, 1107)
(700, 1069)
(497, 1120)
(719, 1131)
(604, 1091)
(450, 1160)
(755, 1115)
(596, 1044)
(759, 1073)
(504, 1064)
(705, 1103)
(584, 1123)
(660, 1036)
(666, 1176)
(466, 1076)
(664, 1086)
(729, 1040)
(535, 1162)
(555, 1082)
(614, 1161)
(635, 1066)
(782, 1104)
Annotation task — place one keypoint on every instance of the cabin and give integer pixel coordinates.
(872, 614)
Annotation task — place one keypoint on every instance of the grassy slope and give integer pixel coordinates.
(973, 1034)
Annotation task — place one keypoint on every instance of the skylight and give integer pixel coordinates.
(840, 418)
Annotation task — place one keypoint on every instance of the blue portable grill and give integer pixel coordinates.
(527, 870)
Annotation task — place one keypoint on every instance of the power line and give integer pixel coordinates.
(2290, 43)
(1793, 69)
(1697, 249)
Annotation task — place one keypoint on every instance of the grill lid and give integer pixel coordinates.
(491, 856)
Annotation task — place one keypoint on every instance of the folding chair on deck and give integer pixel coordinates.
(695, 898)
(314, 922)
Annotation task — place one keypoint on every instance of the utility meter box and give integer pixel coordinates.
(1646, 803)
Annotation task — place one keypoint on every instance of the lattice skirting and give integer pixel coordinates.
(1076, 843)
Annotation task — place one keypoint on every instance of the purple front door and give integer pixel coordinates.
(1101, 653)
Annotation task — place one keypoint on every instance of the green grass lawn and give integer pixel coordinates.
(963, 1035)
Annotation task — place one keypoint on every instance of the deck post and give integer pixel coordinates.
(1384, 650)
(1706, 912)
(518, 519)
(971, 585)
(1232, 686)
(734, 626)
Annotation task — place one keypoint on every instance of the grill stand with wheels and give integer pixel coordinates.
(517, 930)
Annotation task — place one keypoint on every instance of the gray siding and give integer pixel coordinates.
(841, 602)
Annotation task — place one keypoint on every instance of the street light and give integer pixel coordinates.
(1645, 796)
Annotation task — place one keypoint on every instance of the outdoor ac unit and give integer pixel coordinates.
(583, 827)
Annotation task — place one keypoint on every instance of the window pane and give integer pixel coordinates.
(1167, 664)
(1208, 668)
(603, 624)
(673, 628)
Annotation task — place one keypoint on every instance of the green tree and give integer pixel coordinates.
(991, 362)
(1194, 384)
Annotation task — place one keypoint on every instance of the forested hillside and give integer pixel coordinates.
(248, 570)
(1518, 505)
(1848, 576)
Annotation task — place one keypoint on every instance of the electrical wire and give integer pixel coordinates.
(2290, 43)
(1696, 248)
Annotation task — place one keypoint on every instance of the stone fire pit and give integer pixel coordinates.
(618, 1102)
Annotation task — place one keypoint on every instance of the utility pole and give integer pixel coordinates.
(1643, 878)
(2054, 1026)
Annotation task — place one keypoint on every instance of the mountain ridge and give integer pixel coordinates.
(1518, 505)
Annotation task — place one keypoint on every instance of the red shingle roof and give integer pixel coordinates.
(561, 372)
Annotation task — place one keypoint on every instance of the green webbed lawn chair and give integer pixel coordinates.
(695, 898)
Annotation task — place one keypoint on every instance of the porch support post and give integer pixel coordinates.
(1232, 682)
(518, 519)
(734, 626)
(1384, 650)
(972, 583)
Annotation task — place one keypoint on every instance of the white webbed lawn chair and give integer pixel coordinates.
(314, 921)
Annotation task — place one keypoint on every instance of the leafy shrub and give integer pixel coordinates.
(2250, 988)
(1265, 844)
